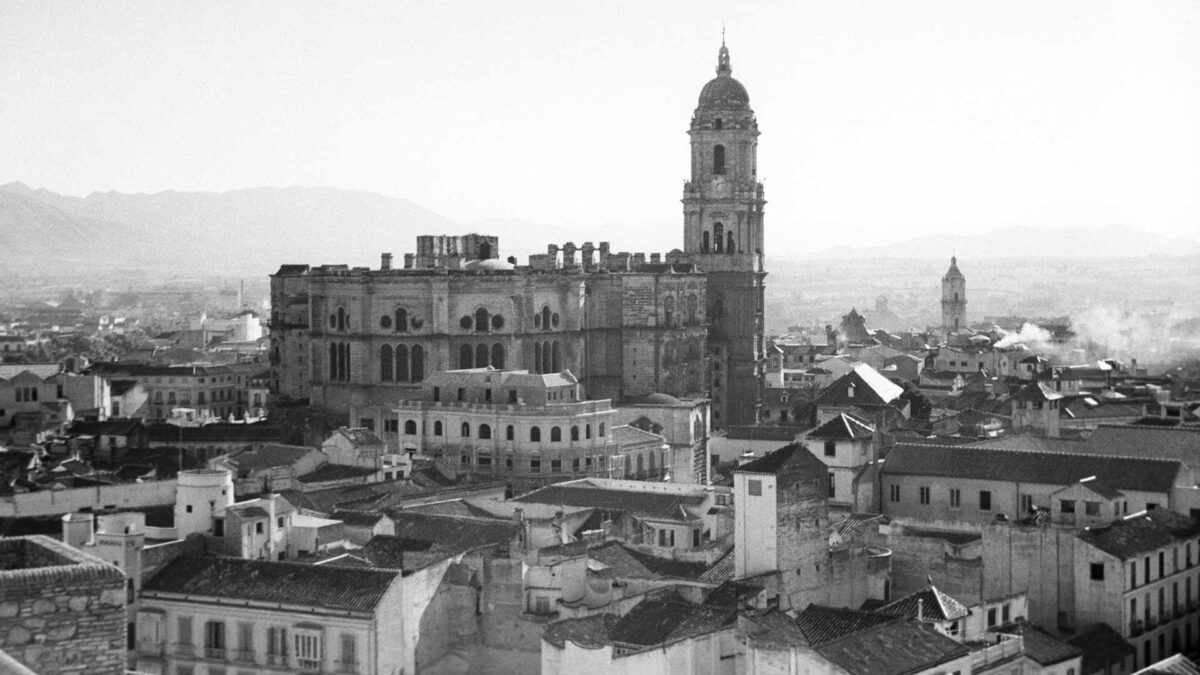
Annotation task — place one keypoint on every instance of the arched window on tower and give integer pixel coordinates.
(401, 320)
(385, 364)
(481, 356)
(546, 318)
(575, 433)
(556, 366)
(401, 363)
(704, 244)
(537, 357)
(535, 435)
(341, 319)
(464, 356)
(485, 251)
(417, 372)
(498, 356)
(730, 246)
(718, 236)
(333, 360)
(465, 431)
(718, 160)
(555, 435)
(668, 310)
(481, 320)
(485, 431)
(693, 306)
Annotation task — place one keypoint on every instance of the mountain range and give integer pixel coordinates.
(255, 230)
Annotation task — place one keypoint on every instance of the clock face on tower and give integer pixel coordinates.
(719, 186)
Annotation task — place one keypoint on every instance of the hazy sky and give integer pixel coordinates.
(881, 119)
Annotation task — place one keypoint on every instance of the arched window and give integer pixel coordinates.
(481, 356)
(718, 160)
(718, 236)
(509, 433)
(385, 364)
(628, 465)
(641, 464)
(333, 360)
(546, 318)
(602, 429)
(668, 309)
(417, 372)
(401, 320)
(481, 320)
(465, 431)
(437, 428)
(535, 435)
(464, 356)
(555, 435)
(587, 431)
(693, 309)
(410, 428)
(730, 245)
(485, 251)
(704, 242)
(537, 357)
(556, 366)
(485, 431)
(341, 319)
(498, 356)
(401, 363)
(717, 124)
(574, 433)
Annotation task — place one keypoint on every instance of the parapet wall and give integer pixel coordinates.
(61, 610)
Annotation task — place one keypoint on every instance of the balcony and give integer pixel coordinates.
(280, 660)
(1151, 622)
(148, 648)
(184, 650)
(242, 655)
(1135, 627)
(214, 653)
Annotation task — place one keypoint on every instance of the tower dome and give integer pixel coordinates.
(953, 272)
(723, 91)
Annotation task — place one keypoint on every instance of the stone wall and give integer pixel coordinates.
(61, 611)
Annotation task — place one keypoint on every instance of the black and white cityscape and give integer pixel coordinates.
(395, 338)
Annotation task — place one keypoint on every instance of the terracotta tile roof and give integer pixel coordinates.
(870, 387)
(1101, 647)
(933, 604)
(327, 472)
(788, 459)
(43, 371)
(657, 621)
(895, 648)
(821, 624)
(773, 629)
(454, 533)
(626, 563)
(1182, 443)
(844, 426)
(590, 632)
(655, 505)
(1040, 646)
(359, 436)
(1047, 468)
(273, 582)
(721, 571)
(390, 552)
(360, 518)
(270, 456)
(1141, 533)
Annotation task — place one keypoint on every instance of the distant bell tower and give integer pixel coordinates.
(723, 233)
(954, 299)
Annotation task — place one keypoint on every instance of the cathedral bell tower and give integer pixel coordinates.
(723, 233)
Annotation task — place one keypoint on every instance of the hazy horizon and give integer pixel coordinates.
(881, 121)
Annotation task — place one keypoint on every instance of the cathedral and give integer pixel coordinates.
(687, 323)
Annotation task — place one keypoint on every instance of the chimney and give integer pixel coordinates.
(385, 262)
(746, 457)
(77, 529)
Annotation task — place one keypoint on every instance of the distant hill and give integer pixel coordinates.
(253, 230)
(1113, 241)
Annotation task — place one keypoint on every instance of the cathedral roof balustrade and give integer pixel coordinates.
(564, 409)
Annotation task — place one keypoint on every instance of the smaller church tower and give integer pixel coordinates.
(954, 299)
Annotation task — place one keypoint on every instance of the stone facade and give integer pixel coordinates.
(61, 611)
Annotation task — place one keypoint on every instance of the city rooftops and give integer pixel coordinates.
(1141, 533)
(653, 622)
(273, 583)
(843, 427)
(895, 648)
(927, 604)
(656, 502)
(861, 386)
